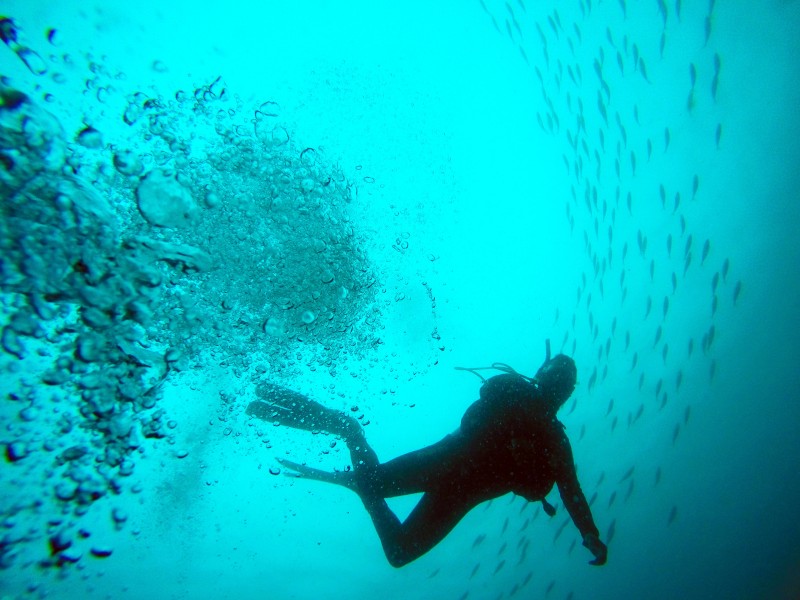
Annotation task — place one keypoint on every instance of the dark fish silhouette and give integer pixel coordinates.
(611, 530)
(672, 514)
(737, 290)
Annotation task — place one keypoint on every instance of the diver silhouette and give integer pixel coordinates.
(509, 441)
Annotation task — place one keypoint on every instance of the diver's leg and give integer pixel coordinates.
(431, 520)
(412, 472)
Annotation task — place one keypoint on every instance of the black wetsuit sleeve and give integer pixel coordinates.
(570, 489)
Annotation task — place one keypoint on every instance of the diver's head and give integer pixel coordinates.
(556, 379)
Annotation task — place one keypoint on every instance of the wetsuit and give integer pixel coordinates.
(508, 441)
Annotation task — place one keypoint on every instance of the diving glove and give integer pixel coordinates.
(596, 547)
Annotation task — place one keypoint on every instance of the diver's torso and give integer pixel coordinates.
(511, 444)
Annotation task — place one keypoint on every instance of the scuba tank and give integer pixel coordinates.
(548, 508)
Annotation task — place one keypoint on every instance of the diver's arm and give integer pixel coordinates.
(575, 502)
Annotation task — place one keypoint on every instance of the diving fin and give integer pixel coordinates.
(283, 406)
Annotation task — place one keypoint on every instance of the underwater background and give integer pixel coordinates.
(351, 199)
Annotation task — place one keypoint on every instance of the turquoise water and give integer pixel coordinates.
(351, 201)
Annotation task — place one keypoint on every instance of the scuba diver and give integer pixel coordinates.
(509, 441)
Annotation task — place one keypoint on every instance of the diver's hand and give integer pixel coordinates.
(596, 547)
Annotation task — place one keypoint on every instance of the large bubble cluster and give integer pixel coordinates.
(203, 232)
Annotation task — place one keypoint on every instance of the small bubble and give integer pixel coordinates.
(308, 317)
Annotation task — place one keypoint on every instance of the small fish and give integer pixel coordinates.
(690, 348)
(674, 282)
(610, 533)
(664, 352)
(662, 193)
(659, 331)
(658, 475)
(686, 414)
(677, 202)
(627, 474)
(611, 499)
(643, 70)
(675, 432)
(662, 8)
(610, 407)
(725, 266)
(475, 570)
(706, 249)
(672, 514)
(666, 138)
(649, 306)
(678, 380)
(718, 134)
(737, 290)
(669, 245)
(707, 28)
(692, 74)
(630, 491)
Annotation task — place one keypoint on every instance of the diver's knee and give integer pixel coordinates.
(399, 558)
